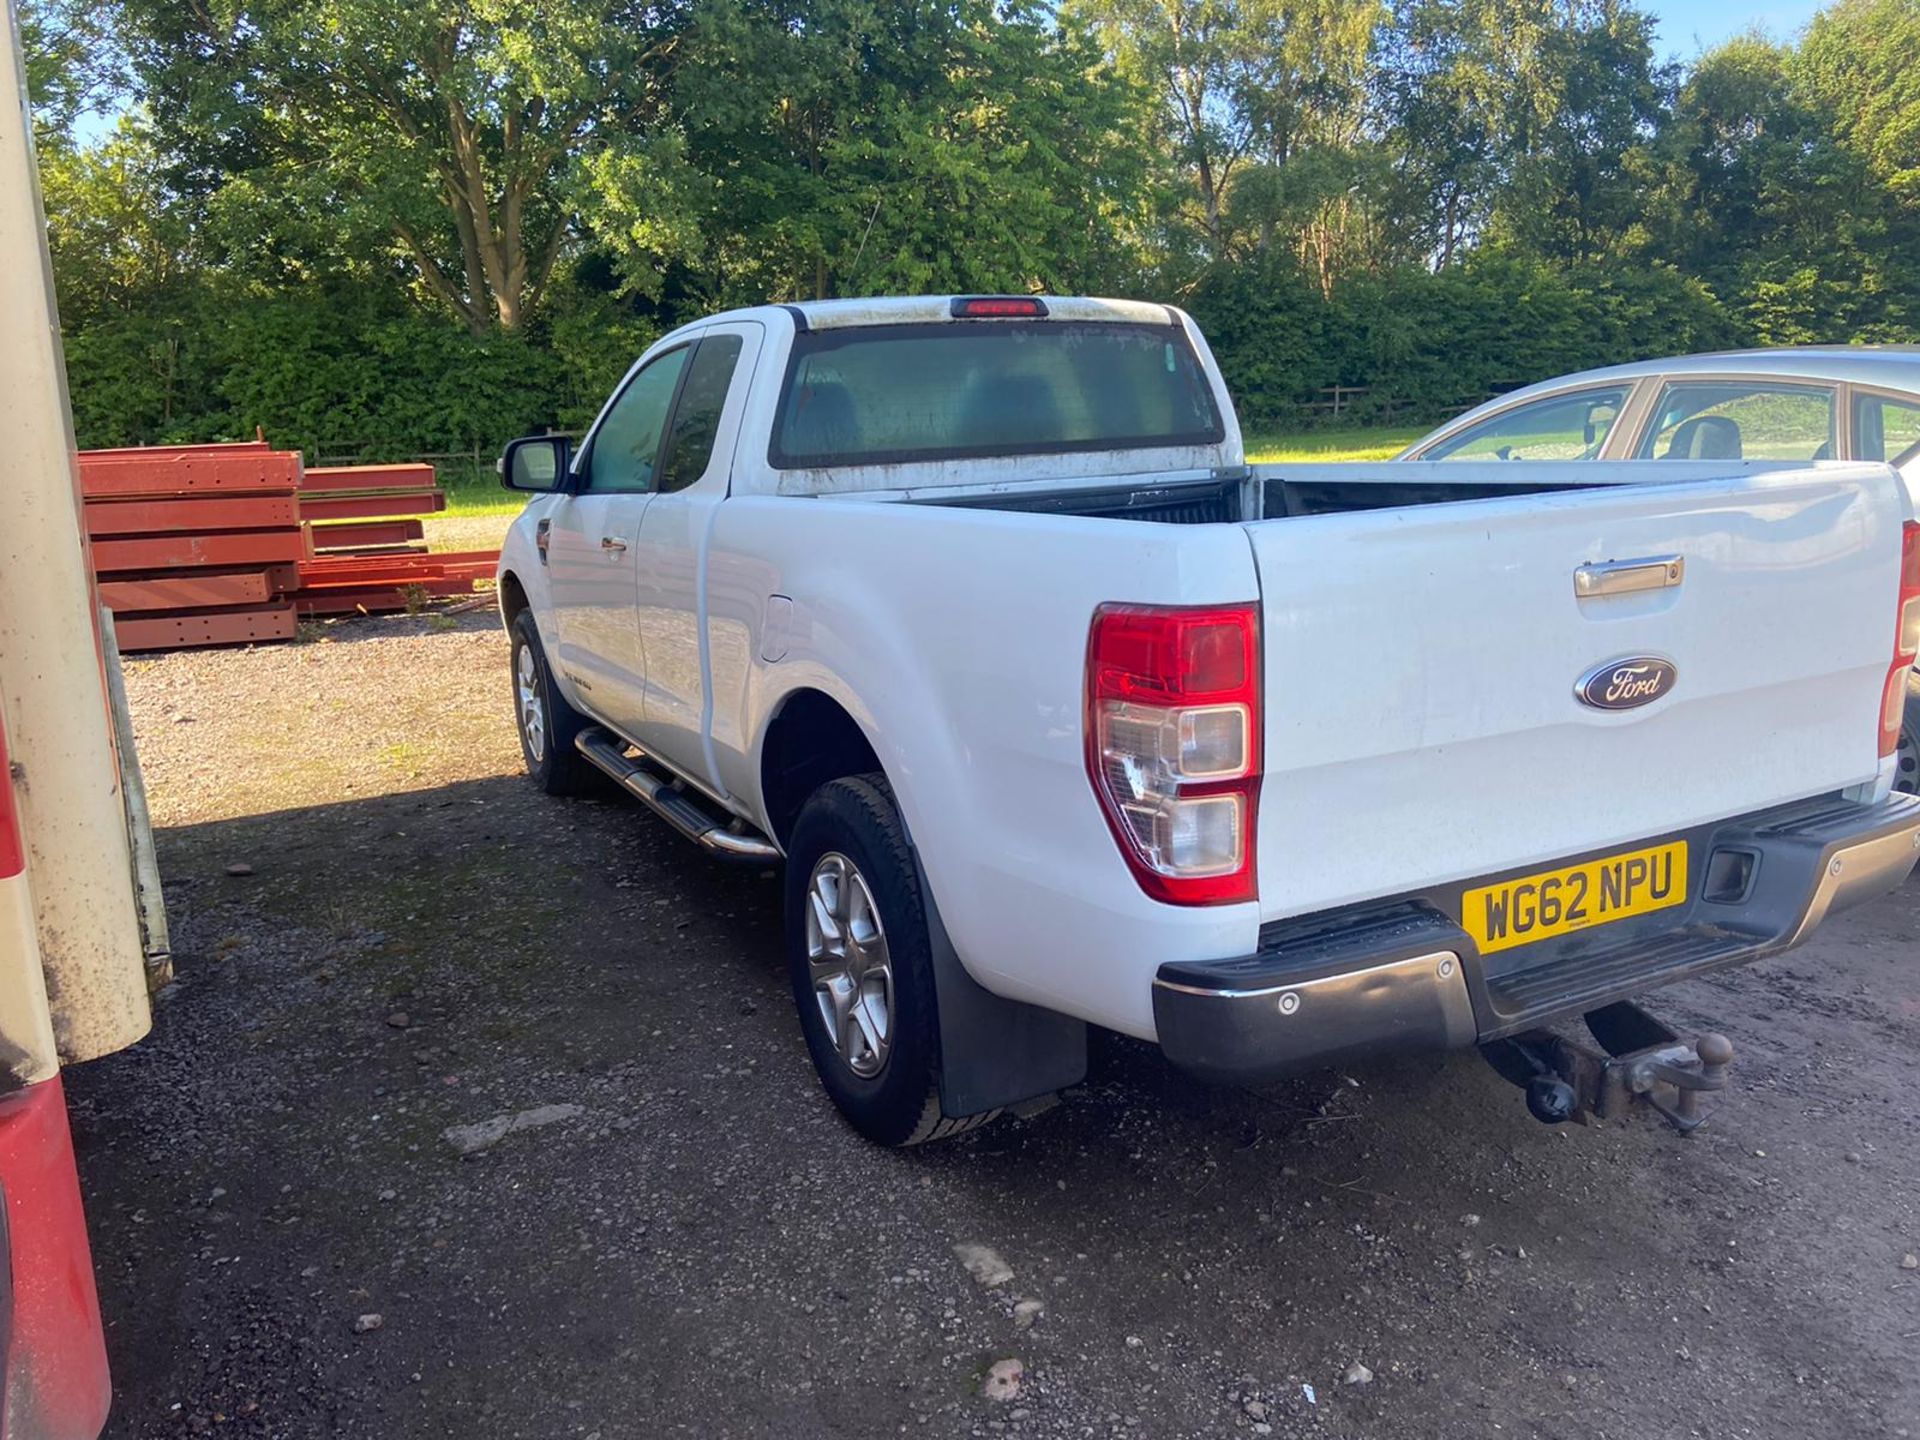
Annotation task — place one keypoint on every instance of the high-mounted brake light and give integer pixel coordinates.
(998, 307)
(1906, 640)
(1173, 745)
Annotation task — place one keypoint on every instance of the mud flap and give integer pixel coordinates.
(994, 1052)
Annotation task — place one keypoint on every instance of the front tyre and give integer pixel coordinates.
(546, 722)
(861, 964)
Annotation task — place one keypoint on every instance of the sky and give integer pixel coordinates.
(1690, 26)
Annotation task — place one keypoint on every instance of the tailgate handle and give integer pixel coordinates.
(1623, 577)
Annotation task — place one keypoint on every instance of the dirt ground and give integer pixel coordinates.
(701, 1248)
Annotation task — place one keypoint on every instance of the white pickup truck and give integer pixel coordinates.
(970, 612)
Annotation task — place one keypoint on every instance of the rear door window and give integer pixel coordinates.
(1740, 420)
(1554, 427)
(1885, 428)
(696, 416)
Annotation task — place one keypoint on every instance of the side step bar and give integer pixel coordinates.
(661, 793)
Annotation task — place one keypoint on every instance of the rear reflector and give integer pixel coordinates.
(1173, 746)
(1906, 640)
(998, 307)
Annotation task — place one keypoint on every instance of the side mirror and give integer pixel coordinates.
(536, 462)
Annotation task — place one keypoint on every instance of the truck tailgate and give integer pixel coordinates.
(1421, 720)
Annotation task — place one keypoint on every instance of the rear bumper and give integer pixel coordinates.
(1402, 975)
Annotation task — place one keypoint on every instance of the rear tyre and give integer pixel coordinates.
(862, 967)
(546, 722)
(1907, 757)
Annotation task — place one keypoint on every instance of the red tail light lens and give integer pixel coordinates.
(1173, 745)
(1906, 640)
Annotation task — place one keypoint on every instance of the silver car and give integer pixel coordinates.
(1818, 402)
(1815, 402)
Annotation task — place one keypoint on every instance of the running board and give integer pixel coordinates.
(663, 794)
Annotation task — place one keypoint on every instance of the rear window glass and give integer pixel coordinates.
(886, 394)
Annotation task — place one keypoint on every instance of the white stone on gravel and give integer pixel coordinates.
(983, 1263)
(368, 1322)
(1003, 1380)
(1025, 1312)
(483, 1134)
(1357, 1374)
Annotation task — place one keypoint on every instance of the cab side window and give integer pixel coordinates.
(1740, 420)
(626, 448)
(696, 418)
(1554, 427)
(1885, 429)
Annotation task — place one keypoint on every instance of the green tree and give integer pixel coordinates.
(456, 136)
(1241, 83)
(847, 147)
(72, 63)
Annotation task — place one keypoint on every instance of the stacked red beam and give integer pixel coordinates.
(341, 584)
(224, 544)
(195, 544)
(367, 545)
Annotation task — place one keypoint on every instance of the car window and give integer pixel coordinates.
(1740, 420)
(627, 444)
(1556, 427)
(696, 418)
(1885, 429)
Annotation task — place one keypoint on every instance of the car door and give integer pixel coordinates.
(591, 543)
(693, 479)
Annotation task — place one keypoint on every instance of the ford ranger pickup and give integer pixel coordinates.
(970, 613)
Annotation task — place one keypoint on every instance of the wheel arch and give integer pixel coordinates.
(811, 738)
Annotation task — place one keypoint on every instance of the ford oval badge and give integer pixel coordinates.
(1623, 684)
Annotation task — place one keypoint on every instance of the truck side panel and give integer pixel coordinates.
(957, 640)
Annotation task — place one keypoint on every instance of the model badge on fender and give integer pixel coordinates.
(1623, 684)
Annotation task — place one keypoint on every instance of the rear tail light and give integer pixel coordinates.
(1173, 745)
(1906, 640)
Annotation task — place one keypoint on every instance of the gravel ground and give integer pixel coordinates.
(682, 1239)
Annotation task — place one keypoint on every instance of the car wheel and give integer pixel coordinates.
(862, 966)
(546, 722)
(1906, 775)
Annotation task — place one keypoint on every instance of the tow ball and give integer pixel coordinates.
(1640, 1065)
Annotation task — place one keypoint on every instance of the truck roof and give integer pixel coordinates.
(938, 309)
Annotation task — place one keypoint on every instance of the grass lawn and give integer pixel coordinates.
(1381, 442)
(476, 490)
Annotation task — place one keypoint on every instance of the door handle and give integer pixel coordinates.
(612, 545)
(1623, 577)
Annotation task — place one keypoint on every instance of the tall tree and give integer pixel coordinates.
(848, 147)
(1241, 83)
(453, 133)
(72, 63)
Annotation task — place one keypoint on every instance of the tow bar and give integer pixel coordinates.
(1640, 1064)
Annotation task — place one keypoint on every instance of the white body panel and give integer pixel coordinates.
(1420, 668)
(1420, 724)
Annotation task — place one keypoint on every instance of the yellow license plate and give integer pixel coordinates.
(1558, 902)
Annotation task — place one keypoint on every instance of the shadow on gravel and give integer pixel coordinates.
(689, 1242)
